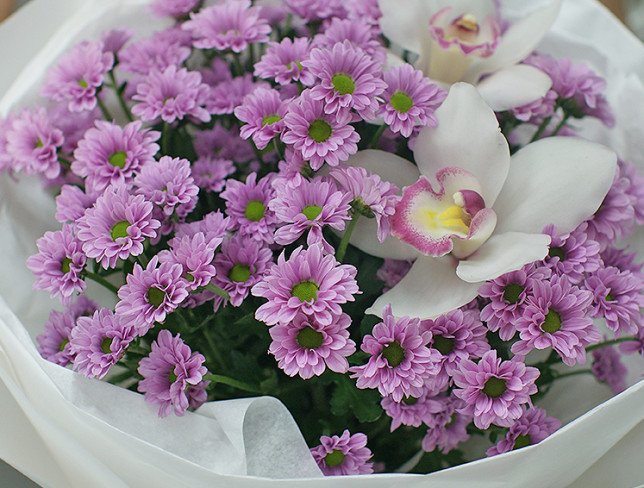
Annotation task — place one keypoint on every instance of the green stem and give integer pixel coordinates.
(143, 260)
(238, 64)
(101, 281)
(106, 113)
(276, 143)
(541, 129)
(573, 373)
(119, 96)
(610, 343)
(225, 380)
(561, 124)
(165, 138)
(213, 348)
(344, 243)
(217, 291)
(65, 163)
(377, 135)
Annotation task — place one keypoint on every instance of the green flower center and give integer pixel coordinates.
(343, 84)
(401, 102)
(494, 387)
(320, 130)
(106, 345)
(512, 293)
(39, 143)
(155, 296)
(255, 211)
(65, 265)
(521, 441)
(171, 376)
(239, 273)
(82, 83)
(118, 159)
(120, 229)
(306, 291)
(334, 458)
(393, 353)
(557, 252)
(552, 322)
(62, 345)
(410, 400)
(270, 119)
(610, 298)
(444, 345)
(189, 277)
(311, 211)
(310, 338)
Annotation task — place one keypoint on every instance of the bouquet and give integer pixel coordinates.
(381, 215)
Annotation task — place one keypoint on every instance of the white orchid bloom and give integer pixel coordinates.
(462, 40)
(470, 212)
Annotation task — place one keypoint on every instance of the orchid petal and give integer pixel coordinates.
(468, 137)
(431, 288)
(389, 167)
(518, 41)
(501, 254)
(558, 180)
(514, 86)
(406, 25)
(481, 228)
(365, 238)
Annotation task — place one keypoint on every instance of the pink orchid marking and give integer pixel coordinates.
(465, 42)
(469, 211)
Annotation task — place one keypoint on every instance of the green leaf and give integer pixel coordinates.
(347, 398)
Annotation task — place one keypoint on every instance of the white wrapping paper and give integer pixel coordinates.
(63, 430)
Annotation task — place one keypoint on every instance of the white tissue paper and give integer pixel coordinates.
(64, 430)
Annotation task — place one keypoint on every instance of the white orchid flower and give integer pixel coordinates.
(470, 212)
(462, 40)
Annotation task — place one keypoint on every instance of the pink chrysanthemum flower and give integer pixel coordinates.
(262, 112)
(151, 293)
(316, 10)
(213, 226)
(233, 25)
(572, 255)
(168, 183)
(617, 297)
(494, 391)
(457, 335)
(615, 217)
(358, 32)
(114, 40)
(78, 76)
(533, 427)
(636, 346)
(344, 455)
(73, 125)
(622, 259)
(116, 226)
(110, 154)
(82, 307)
(155, 53)
(447, 427)
(411, 411)
(349, 79)
(32, 143)
(173, 375)
(195, 255)
(608, 368)
(172, 94)
(309, 282)
(217, 72)
(306, 348)
(410, 100)
(392, 271)
(247, 205)
(223, 143)
(557, 315)
(537, 111)
(59, 263)
(372, 197)
(241, 263)
(98, 342)
(508, 294)
(53, 343)
(401, 360)
(282, 62)
(228, 95)
(210, 173)
(301, 205)
(173, 8)
(318, 136)
(634, 189)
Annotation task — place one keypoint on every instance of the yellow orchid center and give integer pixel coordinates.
(467, 22)
(452, 219)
